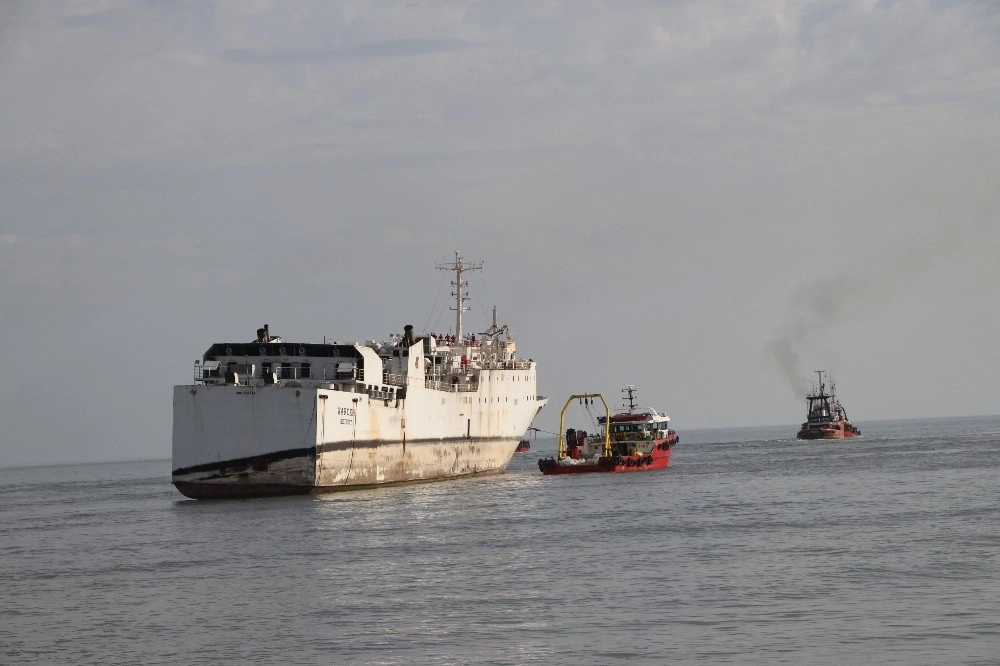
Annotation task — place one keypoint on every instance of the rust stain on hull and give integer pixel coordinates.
(366, 465)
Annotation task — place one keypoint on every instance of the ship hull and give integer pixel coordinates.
(827, 431)
(213, 490)
(375, 464)
(237, 441)
(657, 459)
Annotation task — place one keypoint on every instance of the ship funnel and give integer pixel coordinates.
(408, 338)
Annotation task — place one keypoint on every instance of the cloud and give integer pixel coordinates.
(171, 172)
(401, 48)
(190, 58)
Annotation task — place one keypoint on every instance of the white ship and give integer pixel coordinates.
(271, 417)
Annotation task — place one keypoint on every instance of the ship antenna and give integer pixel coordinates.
(629, 392)
(460, 298)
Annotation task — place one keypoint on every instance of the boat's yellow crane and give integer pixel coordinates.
(607, 423)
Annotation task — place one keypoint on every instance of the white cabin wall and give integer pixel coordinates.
(503, 407)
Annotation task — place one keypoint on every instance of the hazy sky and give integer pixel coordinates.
(707, 200)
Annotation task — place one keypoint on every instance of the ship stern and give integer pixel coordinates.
(239, 441)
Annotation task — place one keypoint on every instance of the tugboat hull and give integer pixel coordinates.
(818, 433)
(659, 459)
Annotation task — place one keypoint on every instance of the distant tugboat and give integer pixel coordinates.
(826, 418)
(522, 447)
(634, 440)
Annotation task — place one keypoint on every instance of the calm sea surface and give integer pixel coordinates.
(752, 548)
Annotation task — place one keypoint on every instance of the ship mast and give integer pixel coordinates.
(819, 401)
(459, 267)
(629, 392)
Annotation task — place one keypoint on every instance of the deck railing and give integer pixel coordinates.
(393, 380)
(505, 365)
(456, 387)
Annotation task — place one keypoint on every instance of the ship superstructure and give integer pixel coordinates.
(270, 417)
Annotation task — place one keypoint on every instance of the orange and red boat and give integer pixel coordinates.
(826, 418)
(633, 440)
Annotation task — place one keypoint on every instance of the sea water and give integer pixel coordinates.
(752, 548)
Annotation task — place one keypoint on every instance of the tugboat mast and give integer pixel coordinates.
(819, 401)
(629, 392)
(459, 267)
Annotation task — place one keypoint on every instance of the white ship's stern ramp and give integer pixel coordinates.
(237, 441)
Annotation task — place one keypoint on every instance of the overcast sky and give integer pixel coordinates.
(708, 200)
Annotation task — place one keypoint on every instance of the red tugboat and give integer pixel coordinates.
(522, 447)
(826, 418)
(633, 440)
